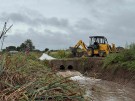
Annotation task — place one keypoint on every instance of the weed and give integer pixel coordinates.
(61, 54)
(124, 59)
(25, 78)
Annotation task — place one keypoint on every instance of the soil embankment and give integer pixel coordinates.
(100, 90)
(121, 76)
(92, 67)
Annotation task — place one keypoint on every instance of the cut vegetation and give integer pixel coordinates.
(25, 78)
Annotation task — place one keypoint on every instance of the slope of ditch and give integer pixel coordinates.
(92, 67)
(101, 90)
(121, 76)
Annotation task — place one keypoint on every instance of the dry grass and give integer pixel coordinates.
(25, 78)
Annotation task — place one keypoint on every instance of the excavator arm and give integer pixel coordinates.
(82, 44)
(79, 43)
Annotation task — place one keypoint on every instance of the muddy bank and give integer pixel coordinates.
(100, 90)
(92, 67)
(121, 76)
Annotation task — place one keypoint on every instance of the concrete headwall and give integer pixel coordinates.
(79, 64)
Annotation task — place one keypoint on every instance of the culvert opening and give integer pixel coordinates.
(70, 67)
(62, 67)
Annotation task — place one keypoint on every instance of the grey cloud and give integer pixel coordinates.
(53, 22)
(46, 39)
(18, 18)
(88, 2)
(28, 19)
(86, 24)
(113, 19)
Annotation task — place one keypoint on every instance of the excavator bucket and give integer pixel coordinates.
(73, 50)
(75, 53)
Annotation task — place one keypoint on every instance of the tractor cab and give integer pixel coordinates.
(95, 41)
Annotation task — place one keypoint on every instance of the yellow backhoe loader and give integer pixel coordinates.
(98, 46)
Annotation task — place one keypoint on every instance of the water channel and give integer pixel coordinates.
(101, 90)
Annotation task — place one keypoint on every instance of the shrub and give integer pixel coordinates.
(124, 59)
(60, 54)
(132, 46)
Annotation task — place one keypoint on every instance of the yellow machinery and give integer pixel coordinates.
(98, 46)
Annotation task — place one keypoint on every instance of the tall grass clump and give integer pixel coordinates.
(124, 59)
(61, 54)
(25, 78)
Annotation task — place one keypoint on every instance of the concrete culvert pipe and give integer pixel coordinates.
(70, 67)
(62, 67)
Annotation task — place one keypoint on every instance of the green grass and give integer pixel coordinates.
(25, 78)
(124, 59)
(60, 54)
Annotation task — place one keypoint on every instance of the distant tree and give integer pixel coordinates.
(4, 50)
(22, 47)
(29, 44)
(11, 48)
(46, 49)
(18, 48)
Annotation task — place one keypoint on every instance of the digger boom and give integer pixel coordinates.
(82, 44)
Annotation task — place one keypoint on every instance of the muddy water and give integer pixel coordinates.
(101, 90)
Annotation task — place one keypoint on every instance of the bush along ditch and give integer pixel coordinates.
(125, 59)
(60, 54)
(25, 78)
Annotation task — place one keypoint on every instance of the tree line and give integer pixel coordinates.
(26, 45)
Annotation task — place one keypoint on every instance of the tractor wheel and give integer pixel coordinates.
(90, 52)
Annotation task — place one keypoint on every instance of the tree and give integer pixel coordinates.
(27, 45)
(46, 49)
(11, 48)
(18, 48)
(22, 47)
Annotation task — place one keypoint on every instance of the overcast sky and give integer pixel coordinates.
(58, 24)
